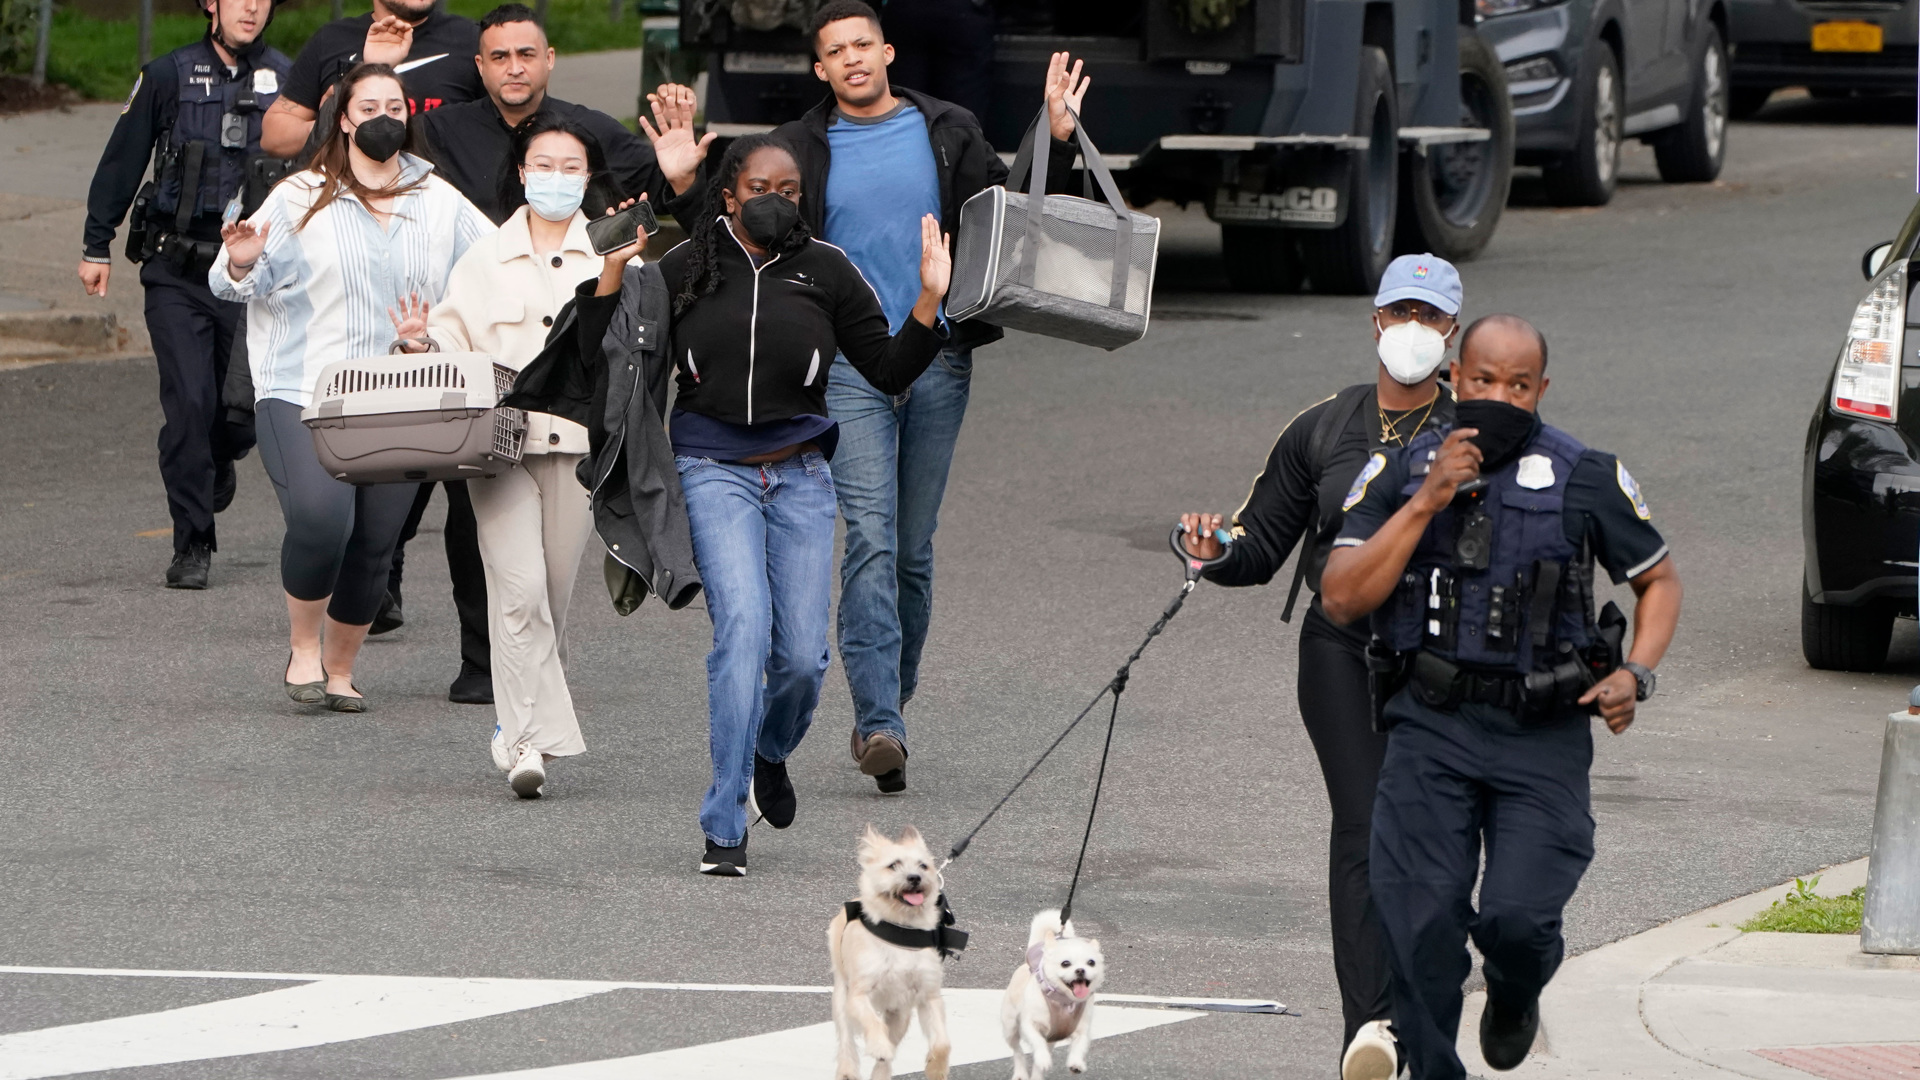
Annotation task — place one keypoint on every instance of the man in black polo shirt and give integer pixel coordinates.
(432, 52)
(471, 142)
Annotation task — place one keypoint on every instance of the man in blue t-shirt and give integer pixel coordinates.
(873, 159)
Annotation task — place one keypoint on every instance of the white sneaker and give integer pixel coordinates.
(502, 760)
(529, 773)
(1373, 1054)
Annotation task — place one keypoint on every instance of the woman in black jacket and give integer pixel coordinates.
(759, 310)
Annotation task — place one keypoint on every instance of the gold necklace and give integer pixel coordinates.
(1390, 433)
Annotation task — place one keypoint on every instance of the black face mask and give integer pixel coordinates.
(380, 138)
(769, 220)
(1505, 430)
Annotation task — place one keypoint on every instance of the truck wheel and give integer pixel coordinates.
(1586, 175)
(1260, 260)
(1746, 101)
(1452, 194)
(1693, 152)
(1835, 638)
(1351, 258)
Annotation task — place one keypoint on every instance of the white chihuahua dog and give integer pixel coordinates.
(1050, 999)
(887, 952)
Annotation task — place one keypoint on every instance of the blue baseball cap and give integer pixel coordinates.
(1421, 277)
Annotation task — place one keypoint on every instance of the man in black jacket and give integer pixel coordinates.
(873, 159)
(1300, 497)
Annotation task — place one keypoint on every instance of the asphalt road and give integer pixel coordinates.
(165, 807)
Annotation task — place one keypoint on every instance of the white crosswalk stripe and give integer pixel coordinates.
(327, 1009)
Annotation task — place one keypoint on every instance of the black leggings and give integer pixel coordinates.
(340, 537)
(1339, 718)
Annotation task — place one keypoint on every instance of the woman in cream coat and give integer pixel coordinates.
(535, 519)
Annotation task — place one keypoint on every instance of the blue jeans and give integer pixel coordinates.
(763, 540)
(891, 472)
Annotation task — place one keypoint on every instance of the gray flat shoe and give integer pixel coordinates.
(344, 703)
(306, 693)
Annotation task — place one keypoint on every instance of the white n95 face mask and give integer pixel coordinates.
(1411, 351)
(555, 196)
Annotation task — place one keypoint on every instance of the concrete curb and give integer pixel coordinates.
(87, 331)
(1593, 1021)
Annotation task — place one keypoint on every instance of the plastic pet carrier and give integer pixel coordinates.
(1056, 265)
(415, 417)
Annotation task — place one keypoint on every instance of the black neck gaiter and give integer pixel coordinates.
(1505, 430)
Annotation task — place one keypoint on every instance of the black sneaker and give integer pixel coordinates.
(892, 782)
(388, 618)
(772, 799)
(189, 569)
(725, 861)
(1506, 1035)
(473, 686)
(225, 482)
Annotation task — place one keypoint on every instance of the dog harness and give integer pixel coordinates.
(944, 937)
(1063, 1009)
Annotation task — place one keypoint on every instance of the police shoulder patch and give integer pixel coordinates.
(1631, 490)
(1358, 491)
(133, 93)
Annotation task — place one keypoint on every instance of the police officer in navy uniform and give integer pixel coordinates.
(195, 114)
(1474, 554)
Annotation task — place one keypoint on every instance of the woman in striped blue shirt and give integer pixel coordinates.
(320, 267)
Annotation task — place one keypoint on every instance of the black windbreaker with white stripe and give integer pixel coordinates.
(758, 349)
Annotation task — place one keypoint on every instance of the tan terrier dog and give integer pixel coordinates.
(887, 949)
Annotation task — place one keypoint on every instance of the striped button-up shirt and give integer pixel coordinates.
(322, 293)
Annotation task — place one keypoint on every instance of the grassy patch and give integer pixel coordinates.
(98, 57)
(1803, 912)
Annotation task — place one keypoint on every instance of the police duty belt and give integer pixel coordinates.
(945, 938)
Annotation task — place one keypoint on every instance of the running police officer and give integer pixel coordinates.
(195, 113)
(1474, 553)
(1297, 498)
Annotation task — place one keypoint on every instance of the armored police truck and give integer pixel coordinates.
(1324, 136)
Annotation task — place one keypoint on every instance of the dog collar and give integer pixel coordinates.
(1055, 996)
(945, 938)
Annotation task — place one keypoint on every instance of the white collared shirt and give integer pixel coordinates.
(502, 299)
(322, 293)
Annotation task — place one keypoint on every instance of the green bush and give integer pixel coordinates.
(99, 58)
(1802, 912)
(17, 21)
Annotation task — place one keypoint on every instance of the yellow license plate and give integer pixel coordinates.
(1854, 37)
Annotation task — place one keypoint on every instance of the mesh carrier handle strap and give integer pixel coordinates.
(1030, 166)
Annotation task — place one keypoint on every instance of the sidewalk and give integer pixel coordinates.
(1697, 999)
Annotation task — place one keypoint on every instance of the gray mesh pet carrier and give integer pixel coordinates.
(1061, 266)
(413, 417)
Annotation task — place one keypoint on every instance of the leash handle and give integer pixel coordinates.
(1196, 566)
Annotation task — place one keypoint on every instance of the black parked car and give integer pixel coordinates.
(1831, 47)
(1860, 495)
(1585, 74)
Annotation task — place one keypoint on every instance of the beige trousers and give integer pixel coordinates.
(534, 522)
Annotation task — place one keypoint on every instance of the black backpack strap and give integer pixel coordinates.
(1340, 412)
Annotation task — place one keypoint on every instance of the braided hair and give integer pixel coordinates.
(704, 239)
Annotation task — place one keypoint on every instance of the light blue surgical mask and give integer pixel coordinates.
(555, 195)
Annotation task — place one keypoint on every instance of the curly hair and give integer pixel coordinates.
(703, 251)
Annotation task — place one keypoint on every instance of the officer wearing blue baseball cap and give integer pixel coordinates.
(1298, 498)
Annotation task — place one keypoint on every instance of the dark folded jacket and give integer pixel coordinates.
(605, 368)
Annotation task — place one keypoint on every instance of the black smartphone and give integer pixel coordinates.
(610, 234)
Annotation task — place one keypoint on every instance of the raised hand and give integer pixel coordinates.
(410, 322)
(389, 40)
(244, 244)
(613, 265)
(671, 134)
(936, 264)
(1065, 90)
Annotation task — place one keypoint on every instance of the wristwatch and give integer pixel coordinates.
(1643, 678)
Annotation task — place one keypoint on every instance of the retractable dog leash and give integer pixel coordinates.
(1115, 686)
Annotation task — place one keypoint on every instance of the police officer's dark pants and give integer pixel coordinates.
(192, 341)
(1450, 779)
(469, 574)
(943, 48)
(1339, 718)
